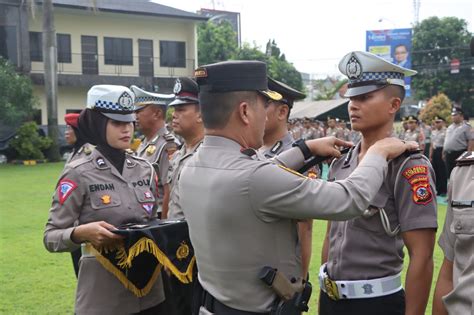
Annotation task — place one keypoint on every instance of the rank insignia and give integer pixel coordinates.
(148, 195)
(183, 251)
(148, 207)
(87, 150)
(106, 199)
(422, 193)
(100, 162)
(65, 188)
(150, 150)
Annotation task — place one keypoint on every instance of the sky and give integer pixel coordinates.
(316, 34)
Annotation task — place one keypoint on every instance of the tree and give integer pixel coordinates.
(51, 78)
(439, 105)
(248, 52)
(28, 143)
(437, 41)
(17, 101)
(327, 88)
(216, 42)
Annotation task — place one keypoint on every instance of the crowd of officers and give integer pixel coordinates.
(227, 163)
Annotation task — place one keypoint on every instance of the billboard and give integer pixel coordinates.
(394, 46)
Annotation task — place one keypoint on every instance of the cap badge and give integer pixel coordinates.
(177, 86)
(200, 73)
(125, 100)
(354, 68)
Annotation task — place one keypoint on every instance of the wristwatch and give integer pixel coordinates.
(301, 144)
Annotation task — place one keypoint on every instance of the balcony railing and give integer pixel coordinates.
(139, 66)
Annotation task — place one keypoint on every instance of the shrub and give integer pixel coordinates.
(28, 142)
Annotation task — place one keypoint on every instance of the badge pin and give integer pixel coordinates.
(148, 195)
(106, 199)
(150, 150)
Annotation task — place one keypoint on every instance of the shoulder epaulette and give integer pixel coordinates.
(80, 161)
(169, 137)
(467, 158)
(276, 147)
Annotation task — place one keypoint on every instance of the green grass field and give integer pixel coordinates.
(34, 281)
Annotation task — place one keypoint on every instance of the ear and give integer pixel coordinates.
(244, 112)
(199, 118)
(283, 112)
(395, 103)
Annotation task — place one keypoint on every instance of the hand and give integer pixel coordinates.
(392, 147)
(98, 233)
(327, 146)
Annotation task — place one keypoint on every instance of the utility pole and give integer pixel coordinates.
(51, 78)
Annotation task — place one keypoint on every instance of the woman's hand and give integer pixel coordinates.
(98, 233)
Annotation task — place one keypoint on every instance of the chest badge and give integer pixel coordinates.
(148, 195)
(148, 207)
(150, 150)
(106, 199)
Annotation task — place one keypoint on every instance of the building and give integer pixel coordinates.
(116, 42)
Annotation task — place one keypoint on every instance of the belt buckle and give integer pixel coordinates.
(331, 289)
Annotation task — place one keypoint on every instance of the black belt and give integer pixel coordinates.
(214, 306)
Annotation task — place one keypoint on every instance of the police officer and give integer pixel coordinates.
(102, 191)
(436, 154)
(363, 257)
(333, 130)
(187, 123)
(459, 138)
(73, 138)
(241, 207)
(414, 133)
(454, 288)
(79, 149)
(277, 139)
(158, 144)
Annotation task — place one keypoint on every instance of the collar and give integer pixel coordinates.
(219, 141)
(350, 159)
(162, 131)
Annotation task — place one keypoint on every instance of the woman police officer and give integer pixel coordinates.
(101, 191)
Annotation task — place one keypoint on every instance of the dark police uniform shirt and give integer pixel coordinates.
(241, 209)
(359, 249)
(91, 190)
(457, 238)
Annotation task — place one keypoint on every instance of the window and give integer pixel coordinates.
(118, 51)
(9, 26)
(64, 47)
(36, 46)
(172, 54)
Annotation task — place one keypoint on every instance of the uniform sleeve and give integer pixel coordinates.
(469, 133)
(415, 195)
(67, 203)
(447, 238)
(276, 192)
(164, 163)
(292, 158)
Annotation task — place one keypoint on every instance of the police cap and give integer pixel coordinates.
(288, 93)
(368, 72)
(112, 101)
(144, 98)
(232, 76)
(71, 119)
(186, 91)
(457, 111)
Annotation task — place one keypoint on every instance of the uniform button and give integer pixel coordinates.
(334, 262)
(458, 226)
(129, 208)
(339, 234)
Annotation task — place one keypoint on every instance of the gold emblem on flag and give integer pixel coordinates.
(182, 251)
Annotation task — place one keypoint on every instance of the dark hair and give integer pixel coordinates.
(396, 90)
(216, 108)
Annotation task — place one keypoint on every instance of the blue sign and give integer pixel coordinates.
(394, 46)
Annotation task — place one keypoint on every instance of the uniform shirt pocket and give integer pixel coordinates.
(463, 221)
(144, 194)
(104, 200)
(373, 223)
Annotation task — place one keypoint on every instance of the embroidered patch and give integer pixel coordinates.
(422, 193)
(415, 170)
(148, 195)
(100, 162)
(106, 199)
(65, 188)
(182, 251)
(419, 180)
(148, 207)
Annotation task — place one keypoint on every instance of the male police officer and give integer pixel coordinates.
(364, 256)
(240, 207)
(277, 139)
(414, 132)
(459, 138)
(454, 292)
(158, 145)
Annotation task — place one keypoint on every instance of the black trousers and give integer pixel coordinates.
(76, 255)
(451, 160)
(393, 304)
(440, 172)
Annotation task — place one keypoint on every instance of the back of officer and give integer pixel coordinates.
(240, 207)
(364, 256)
(157, 145)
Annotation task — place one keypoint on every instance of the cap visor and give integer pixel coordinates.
(120, 117)
(355, 91)
(184, 101)
(272, 95)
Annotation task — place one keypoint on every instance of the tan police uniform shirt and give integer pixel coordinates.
(158, 152)
(176, 166)
(457, 137)
(84, 150)
(241, 209)
(415, 135)
(336, 132)
(90, 190)
(457, 239)
(359, 249)
(437, 138)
